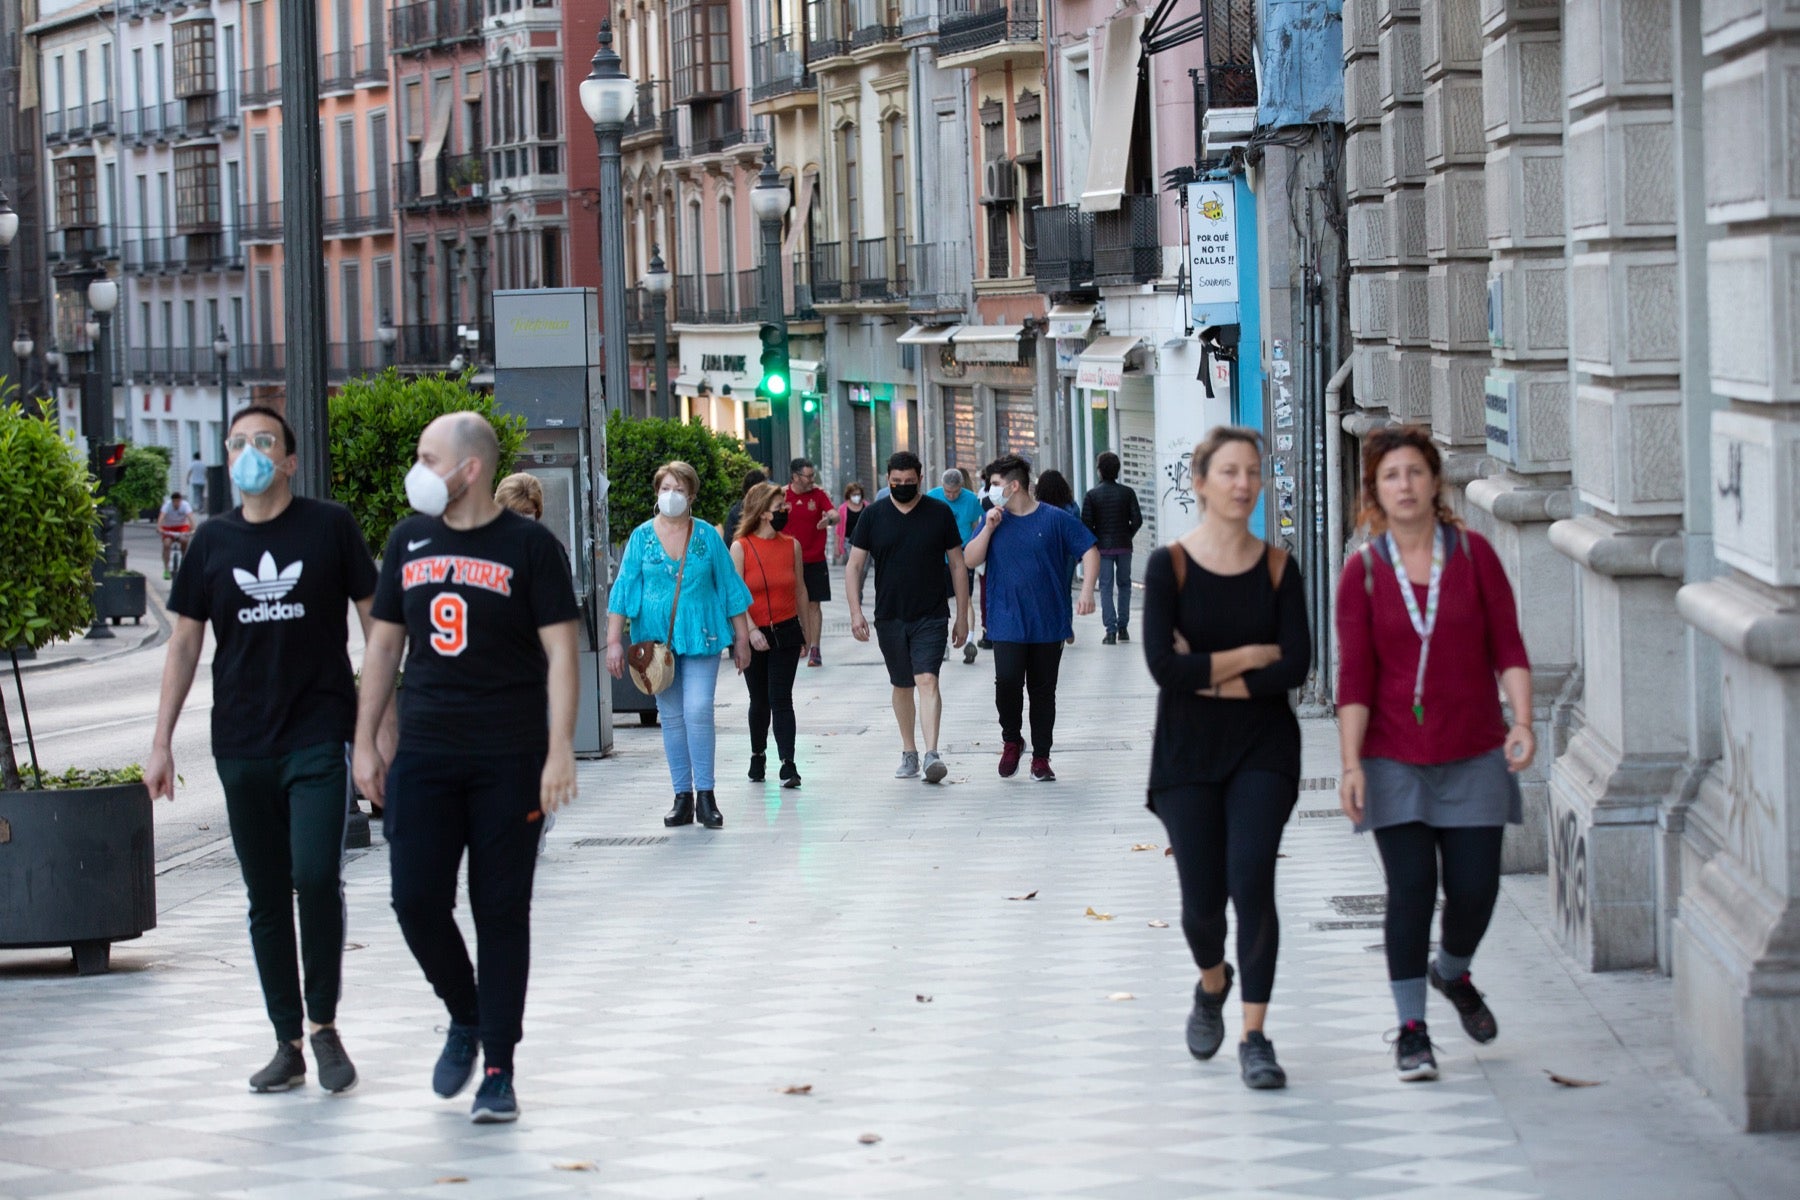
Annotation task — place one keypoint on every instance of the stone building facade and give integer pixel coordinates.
(1573, 240)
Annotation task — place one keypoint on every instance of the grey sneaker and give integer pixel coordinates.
(286, 1070)
(1257, 1065)
(935, 770)
(909, 765)
(336, 1072)
(1206, 1024)
(970, 650)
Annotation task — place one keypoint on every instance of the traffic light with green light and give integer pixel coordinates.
(776, 381)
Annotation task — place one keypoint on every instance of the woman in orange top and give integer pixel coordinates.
(769, 562)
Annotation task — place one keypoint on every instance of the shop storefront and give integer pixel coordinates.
(717, 382)
(867, 408)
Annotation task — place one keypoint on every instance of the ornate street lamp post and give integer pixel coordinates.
(656, 283)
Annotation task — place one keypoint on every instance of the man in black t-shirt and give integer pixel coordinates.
(483, 595)
(273, 578)
(918, 556)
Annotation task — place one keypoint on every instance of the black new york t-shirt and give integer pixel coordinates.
(472, 601)
(277, 596)
(912, 580)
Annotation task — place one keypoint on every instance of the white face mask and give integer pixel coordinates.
(996, 495)
(427, 492)
(672, 503)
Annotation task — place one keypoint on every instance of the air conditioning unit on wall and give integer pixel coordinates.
(999, 182)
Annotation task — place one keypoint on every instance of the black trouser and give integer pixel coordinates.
(1021, 667)
(1471, 875)
(287, 818)
(1226, 837)
(437, 806)
(770, 678)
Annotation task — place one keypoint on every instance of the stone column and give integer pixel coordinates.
(1527, 383)
(1625, 331)
(1372, 239)
(1736, 939)
(1401, 91)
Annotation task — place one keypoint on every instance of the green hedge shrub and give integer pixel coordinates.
(636, 446)
(143, 481)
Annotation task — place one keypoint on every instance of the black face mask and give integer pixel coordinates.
(778, 519)
(904, 493)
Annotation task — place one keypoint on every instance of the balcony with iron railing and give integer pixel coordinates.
(651, 108)
(640, 311)
(778, 69)
(878, 274)
(434, 23)
(828, 29)
(56, 126)
(919, 18)
(722, 124)
(78, 249)
(263, 362)
(976, 33)
(184, 253)
(875, 23)
(432, 347)
(262, 221)
(180, 120)
(370, 63)
(718, 298)
(938, 277)
(349, 360)
(180, 364)
(1127, 246)
(460, 179)
(337, 71)
(1065, 250)
(354, 214)
(828, 273)
(1229, 80)
(261, 85)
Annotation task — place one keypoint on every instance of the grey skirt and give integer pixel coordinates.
(1469, 792)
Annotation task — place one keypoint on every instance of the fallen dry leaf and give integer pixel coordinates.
(451, 1179)
(869, 1139)
(1026, 896)
(1567, 1082)
(1098, 916)
(922, 998)
(1159, 924)
(1144, 846)
(797, 1089)
(574, 1166)
(1121, 996)
(1168, 852)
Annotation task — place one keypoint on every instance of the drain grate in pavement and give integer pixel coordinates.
(1372, 905)
(1322, 783)
(620, 841)
(1331, 925)
(1317, 814)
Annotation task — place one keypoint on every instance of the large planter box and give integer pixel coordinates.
(77, 869)
(121, 596)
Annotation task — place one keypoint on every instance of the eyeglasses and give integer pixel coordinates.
(262, 441)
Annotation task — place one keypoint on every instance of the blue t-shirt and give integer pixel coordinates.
(1027, 580)
(966, 506)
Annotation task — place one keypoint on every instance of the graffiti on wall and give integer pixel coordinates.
(1752, 826)
(1568, 871)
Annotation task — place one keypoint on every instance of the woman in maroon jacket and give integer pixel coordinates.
(1426, 621)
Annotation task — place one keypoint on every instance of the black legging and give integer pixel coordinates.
(1226, 837)
(1471, 874)
(770, 678)
(1021, 667)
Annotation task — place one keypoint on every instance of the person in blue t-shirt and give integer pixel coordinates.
(1025, 544)
(966, 506)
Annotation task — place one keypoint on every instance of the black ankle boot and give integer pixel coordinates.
(683, 812)
(707, 809)
(757, 763)
(790, 774)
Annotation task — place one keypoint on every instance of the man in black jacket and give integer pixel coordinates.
(1111, 514)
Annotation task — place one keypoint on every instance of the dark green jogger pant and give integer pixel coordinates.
(288, 816)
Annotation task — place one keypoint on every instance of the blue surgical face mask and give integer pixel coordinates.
(253, 471)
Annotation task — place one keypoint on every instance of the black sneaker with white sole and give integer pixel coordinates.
(456, 1065)
(494, 1099)
(286, 1070)
(1477, 1018)
(336, 1072)
(1413, 1060)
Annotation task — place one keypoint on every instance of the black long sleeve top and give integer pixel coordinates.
(1203, 739)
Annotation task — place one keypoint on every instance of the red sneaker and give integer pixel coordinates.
(1040, 770)
(1009, 759)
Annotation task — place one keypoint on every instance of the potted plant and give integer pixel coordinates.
(77, 850)
(469, 177)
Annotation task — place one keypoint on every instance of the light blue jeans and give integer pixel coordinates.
(685, 709)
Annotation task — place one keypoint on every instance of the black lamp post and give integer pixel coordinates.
(609, 95)
(388, 335)
(103, 297)
(769, 200)
(9, 229)
(656, 284)
(22, 346)
(218, 488)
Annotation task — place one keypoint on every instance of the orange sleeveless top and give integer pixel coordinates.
(769, 573)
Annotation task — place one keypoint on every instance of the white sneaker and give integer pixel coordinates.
(935, 770)
(909, 765)
(544, 828)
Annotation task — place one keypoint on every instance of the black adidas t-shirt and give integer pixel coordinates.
(472, 601)
(277, 595)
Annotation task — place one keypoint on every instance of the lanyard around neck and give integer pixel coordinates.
(1424, 624)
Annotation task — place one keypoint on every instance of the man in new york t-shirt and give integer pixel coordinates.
(273, 579)
(487, 727)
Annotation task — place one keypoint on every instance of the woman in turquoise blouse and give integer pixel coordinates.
(712, 615)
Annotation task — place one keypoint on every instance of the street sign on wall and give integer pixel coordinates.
(1213, 253)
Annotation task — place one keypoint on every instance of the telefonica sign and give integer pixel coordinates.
(546, 327)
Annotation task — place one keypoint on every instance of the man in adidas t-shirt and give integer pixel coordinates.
(484, 598)
(275, 579)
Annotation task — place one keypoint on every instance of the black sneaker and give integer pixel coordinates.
(494, 1099)
(286, 1070)
(456, 1065)
(336, 1072)
(1477, 1019)
(985, 643)
(1206, 1024)
(1256, 1063)
(758, 764)
(790, 774)
(1111, 639)
(1124, 636)
(1413, 1059)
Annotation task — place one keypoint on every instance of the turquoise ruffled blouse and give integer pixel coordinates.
(711, 591)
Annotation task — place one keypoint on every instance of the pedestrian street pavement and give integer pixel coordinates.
(870, 987)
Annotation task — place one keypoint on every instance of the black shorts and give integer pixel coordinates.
(912, 648)
(818, 581)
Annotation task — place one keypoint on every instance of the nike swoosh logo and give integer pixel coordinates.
(411, 546)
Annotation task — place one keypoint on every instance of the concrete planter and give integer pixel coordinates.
(77, 869)
(121, 595)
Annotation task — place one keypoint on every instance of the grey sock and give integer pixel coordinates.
(1451, 967)
(1409, 999)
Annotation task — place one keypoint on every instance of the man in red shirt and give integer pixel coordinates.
(811, 516)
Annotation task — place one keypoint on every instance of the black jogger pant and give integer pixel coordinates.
(437, 806)
(1226, 837)
(770, 678)
(287, 818)
(1471, 875)
(1021, 668)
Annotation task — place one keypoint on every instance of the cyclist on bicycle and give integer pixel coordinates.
(176, 524)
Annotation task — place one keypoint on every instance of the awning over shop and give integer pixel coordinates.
(987, 343)
(1071, 320)
(1114, 91)
(1102, 365)
(928, 335)
(803, 373)
(688, 385)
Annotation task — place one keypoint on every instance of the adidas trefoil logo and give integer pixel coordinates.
(267, 587)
